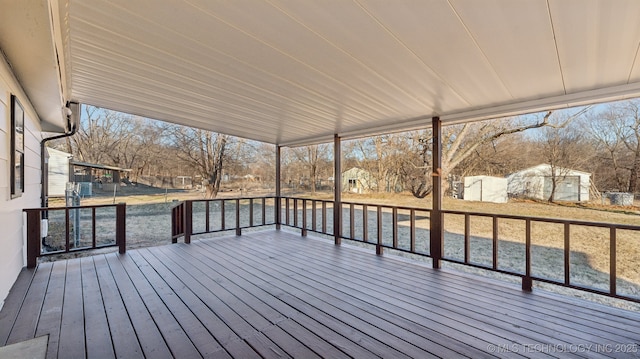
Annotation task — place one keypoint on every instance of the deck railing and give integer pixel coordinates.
(196, 217)
(470, 239)
(73, 226)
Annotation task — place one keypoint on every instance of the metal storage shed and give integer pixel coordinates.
(485, 189)
(536, 182)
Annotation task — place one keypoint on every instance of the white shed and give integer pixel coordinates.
(357, 180)
(536, 182)
(57, 172)
(485, 189)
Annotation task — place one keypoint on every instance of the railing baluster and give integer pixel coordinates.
(365, 223)
(264, 211)
(286, 207)
(250, 212)
(188, 221)
(121, 227)
(527, 283)
(314, 219)
(324, 217)
(495, 242)
(206, 213)
(467, 238)
(304, 217)
(66, 230)
(238, 230)
(379, 245)
(612, 261)
(412, 235)
(222, 215)
(295, 212)
(567, 254)
(352, 227)
(93, 227)
(394, 214)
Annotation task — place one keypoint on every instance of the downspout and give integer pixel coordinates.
(72, 111)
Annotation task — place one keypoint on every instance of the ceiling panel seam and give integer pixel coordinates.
(555, 43)
(484, 55)
(412, 52)
(634, 63)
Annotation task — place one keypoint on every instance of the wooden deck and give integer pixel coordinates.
(275, 294)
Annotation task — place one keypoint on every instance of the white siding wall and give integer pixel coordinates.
(11, 217)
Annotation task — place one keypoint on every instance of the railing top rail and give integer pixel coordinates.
(230, 198)
(405, 208)
(71, 207)
(548, 220)
(361, 204)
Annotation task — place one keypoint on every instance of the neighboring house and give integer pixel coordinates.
(536, 182)
(485, 189)
(57, 172)
(357, 180)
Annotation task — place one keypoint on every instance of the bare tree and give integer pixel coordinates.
(564, 149)
(381, 156)
(314, 158)
(204, 151)
(616, 134)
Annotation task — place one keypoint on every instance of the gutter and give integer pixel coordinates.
(72, 112)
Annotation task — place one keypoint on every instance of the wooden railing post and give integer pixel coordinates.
(337, 190)
(436, 229)
(33, 237)
(121, 227)
(278, 199)
(187, 217)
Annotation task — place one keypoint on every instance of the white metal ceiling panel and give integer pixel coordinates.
(519, 41)
(597, 41)
(295, 72)
(432, 32)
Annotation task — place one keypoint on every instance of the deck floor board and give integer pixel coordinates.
(275, 294)
(453, 305)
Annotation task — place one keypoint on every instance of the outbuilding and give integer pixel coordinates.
(485, 189)
(537, 183)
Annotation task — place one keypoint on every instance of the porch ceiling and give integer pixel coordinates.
(295, 72)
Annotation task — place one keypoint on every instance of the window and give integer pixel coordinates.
(17, 148)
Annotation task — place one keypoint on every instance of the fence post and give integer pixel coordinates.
(33, 237)
(121, 227)
(188, 218)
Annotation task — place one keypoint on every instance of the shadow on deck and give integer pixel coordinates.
(276, 294)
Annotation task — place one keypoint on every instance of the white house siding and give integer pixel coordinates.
(58, 175)
(12, 257)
